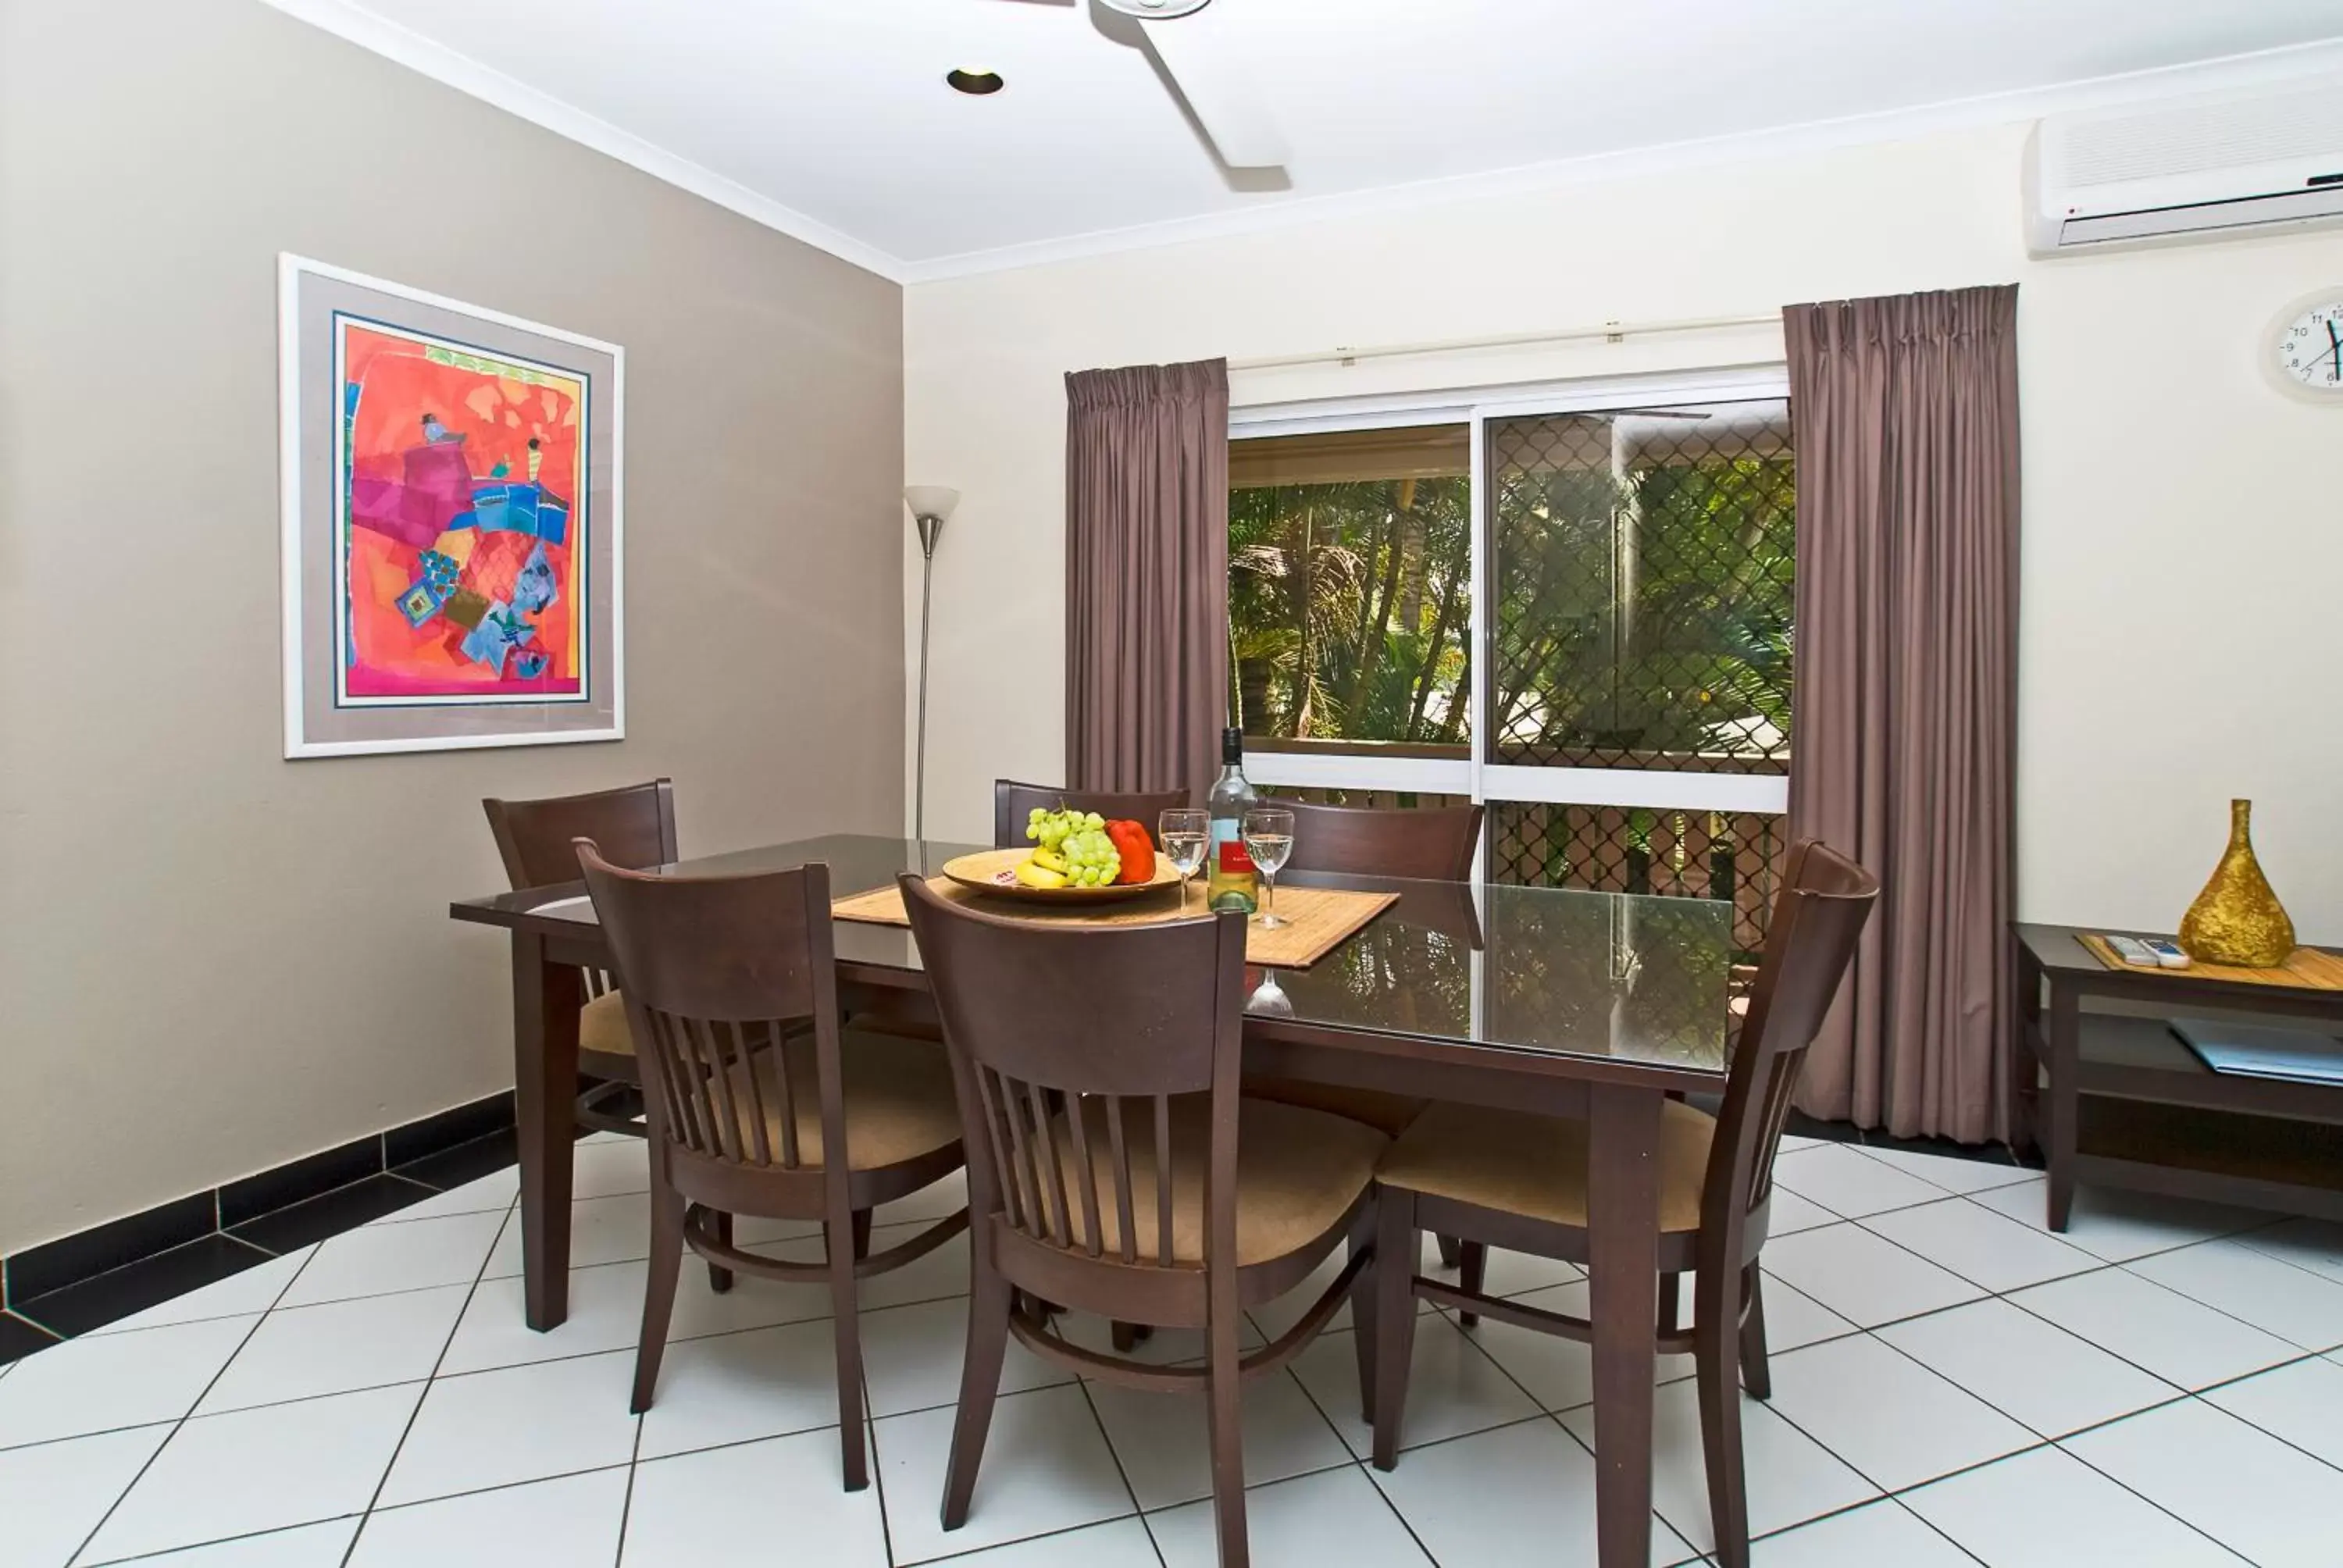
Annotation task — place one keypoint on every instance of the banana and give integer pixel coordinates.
(1033, 874)
(1050, 861)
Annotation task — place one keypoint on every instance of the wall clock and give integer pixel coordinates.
(2303, 353)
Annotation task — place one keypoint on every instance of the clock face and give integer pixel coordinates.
(2307, 347)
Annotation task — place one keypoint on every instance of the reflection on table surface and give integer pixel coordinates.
(1535, 969)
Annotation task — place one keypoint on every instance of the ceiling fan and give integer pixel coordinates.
(1193, 50)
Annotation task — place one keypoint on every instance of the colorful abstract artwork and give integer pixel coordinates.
(457, 554)
(452, 569)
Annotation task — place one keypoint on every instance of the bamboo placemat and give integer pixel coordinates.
(1317, 919)
(2309, 970)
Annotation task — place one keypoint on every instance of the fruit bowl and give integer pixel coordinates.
(995, 872)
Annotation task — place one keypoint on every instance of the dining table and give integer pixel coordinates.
(1589, 1005)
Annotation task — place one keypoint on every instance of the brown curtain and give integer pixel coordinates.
(1907, 431)
(1147, 576)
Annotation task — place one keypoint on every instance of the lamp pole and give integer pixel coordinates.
(930, 505)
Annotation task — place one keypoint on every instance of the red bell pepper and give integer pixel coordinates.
(1138, 849)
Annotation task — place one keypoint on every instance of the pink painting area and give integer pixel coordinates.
(463, 551)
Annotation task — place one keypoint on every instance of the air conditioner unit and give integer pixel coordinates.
(2215, 166)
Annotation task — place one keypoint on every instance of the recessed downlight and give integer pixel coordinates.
(975, 83)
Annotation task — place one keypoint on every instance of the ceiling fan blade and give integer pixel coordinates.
(1203, 61)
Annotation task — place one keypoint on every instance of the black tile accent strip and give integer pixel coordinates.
(463, 1130)
(1798, 1124)
(457, 1125)
(300, 1180)
(19, 1338)
(465, 1163)
(331, 1213)
(1985, 1153)
(110, 1297)
(52, 1265)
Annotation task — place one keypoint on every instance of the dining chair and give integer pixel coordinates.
(1519, 1181)
(825, 1126)
(1114, 1167)
(1013, 803)
(1428, 843)
(635, 827)
(1424, 843)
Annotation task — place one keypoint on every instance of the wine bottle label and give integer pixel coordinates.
(1233, 857)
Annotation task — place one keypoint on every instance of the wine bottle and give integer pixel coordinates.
(1231, 882)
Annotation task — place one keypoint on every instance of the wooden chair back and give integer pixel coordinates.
(634, 826)
(717, 968)
(1426, 843)
(1817, 918)
(1118, 1021)
(1012, 802)
(536, 840)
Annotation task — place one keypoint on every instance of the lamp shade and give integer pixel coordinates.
(934, 501)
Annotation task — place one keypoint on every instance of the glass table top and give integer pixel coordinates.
(1550, 969)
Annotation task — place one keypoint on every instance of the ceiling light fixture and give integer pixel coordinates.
(1156, 10)
(975, 83)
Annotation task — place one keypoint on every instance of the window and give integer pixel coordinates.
(1644, 589)
(1349, 586)
(1617, 690)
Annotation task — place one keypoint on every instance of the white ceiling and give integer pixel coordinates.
(829, 119)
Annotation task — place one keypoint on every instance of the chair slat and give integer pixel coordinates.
(683, 1105)
(761, 1136)
(1163, 1179)
(1124, 1224)
(728, 1139)
(1037, 1221)
(1045, 1142)
(785, 1090)
(1085, 1173)
(1012, 1197)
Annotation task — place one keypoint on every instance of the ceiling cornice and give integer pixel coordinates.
(354, 23)
(447, 67)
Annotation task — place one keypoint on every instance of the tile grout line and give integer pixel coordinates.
(178, 1425)
(627, 1504)
(1114, 1456)
(871, 1439)
(2119, 1484)
(1899, 1493)
(407, 1430)
(2099, 1265)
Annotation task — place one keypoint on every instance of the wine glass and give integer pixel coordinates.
(1269, 839)
(1185, 836)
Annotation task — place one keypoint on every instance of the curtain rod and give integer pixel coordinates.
(1609, 332)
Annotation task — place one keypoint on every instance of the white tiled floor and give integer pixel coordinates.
(1952, 1386)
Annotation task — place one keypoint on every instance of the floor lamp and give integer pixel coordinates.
(930, 505)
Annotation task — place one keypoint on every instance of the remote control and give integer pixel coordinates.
(2167, 954)
(2132, 950)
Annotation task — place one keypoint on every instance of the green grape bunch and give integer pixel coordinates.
(1078, 839)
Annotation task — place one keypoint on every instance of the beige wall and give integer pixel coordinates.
(2184, 523)
(212, 960)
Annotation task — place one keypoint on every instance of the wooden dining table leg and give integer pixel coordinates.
(1623, 1276)
(546, 1000)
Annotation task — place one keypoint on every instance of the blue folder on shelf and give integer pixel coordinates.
(2251, 1051)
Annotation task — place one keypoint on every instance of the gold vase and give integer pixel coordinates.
(2238, 919)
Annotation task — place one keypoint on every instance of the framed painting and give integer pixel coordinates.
(451, 558)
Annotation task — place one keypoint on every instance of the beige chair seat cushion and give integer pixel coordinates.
(1536, 1166)
(899, 1100)
(602, 1026)
(1298, 1173)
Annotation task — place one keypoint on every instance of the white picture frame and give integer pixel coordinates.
(574, 380)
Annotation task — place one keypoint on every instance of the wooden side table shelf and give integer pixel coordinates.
(2125, 1104)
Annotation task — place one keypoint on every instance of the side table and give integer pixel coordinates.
(2126, 1104)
